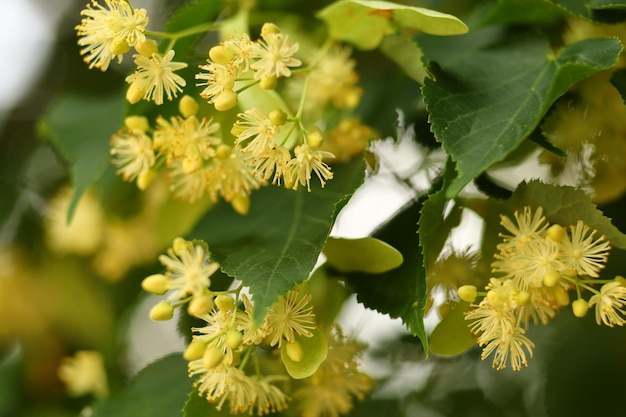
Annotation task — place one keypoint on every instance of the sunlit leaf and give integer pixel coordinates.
(368, 254)
(366, 23)
(484, 102)
(315, 350)
(452, 336)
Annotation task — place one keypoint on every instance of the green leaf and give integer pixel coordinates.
(484, 102)
(434, 228)
(160, 389)
(618, 79)
(192, 14)
(452, 336)
(327, 296)
(402, 291)
(275, 246)
(80, 128)
(565, 205)
(315, 350)
(533, 12)
(366, 23)
(406, 54)
(609, 11)
(368, 254)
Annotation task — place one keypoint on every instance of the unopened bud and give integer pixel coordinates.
(561, 296)
(147, 47)
(315, 139)
(237, 129)
(269, 29)
(580, 307)
(225, 100)
(551, 278)
(233, 339)
(621, 280)
(212, 357)
(268, 83)
(195, 350)
(467, 293)
(120, 48)
(225, 302)
(137, 122)
(522, 298)
(295, 351)
(179, 245)
(188, 106)
(156, 284)
(221, 54)
(277, 117)
(200, 305)
(135, 93)
(145, 178)
(241, 204)
(556, 233)
(162, 311)
(223, 152)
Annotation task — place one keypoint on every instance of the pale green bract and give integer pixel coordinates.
(366, 23)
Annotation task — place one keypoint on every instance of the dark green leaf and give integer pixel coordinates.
(402, 291)
(192, 14)
(565, 205)
(618, 79)
(276, 245)
(80, 128)
(484, 102)
(160, 389)
(534, 12)
(198, 406)
(609, 11)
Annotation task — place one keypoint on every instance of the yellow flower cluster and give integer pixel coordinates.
(233, 359)
(536, 266)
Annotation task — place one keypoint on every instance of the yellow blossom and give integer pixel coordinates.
(84, 374)
(307, 160)
(155, 77)
(582, 253)
(609, 303)
(132, 153)
(292, 314)
(273, 55)
(106, 31)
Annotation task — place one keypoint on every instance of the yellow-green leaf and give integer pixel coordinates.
(368, 254)
(452, 336)
(366, 23)
(315, 350)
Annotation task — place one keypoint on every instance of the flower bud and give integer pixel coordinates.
(195, 350)
(221, 54)
(145, 178)
(580, 307)
(120, 48)
(551, 278)
(522, 298)
(269, 29)
(162, 311)
(295, 351)
(241, 204)
(268, 83)
(188, 106)
(156, 284)
(237, 129)
(556, 233)
(621, 280)
(135, 93)
(561, 296)
(212, 357)
(233, 339)
(147, 47)
(277, 117)
(137, 122)
(467, 293)
(200, 305)
(225, 302)
(225, 100)
(315, 139)
(223, 152)
(179, 245)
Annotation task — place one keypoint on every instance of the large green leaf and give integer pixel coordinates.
(484, 102)
(81, 127)
(610, 11)
(565, 205)
(160, 389)
(366, 23)
(400, 292)
(276, 245)
(198, 406)
(534, 12)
